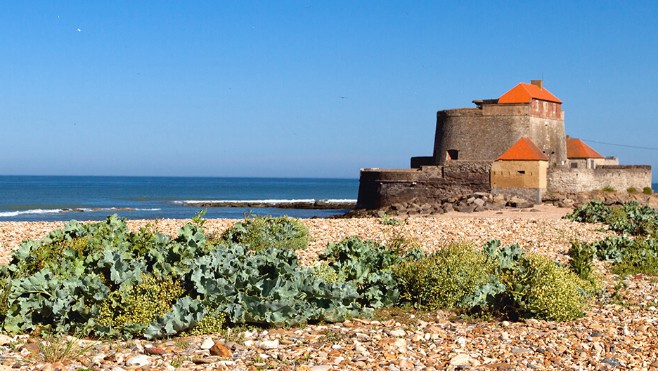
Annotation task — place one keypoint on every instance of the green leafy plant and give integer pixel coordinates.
(262, 232)
(631, 218)
(109, 281)
(591, 212)
(368, 267)
(389, 220)
(582, 257)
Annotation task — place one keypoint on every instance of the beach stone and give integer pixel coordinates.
(218, 349)
(207, 343)
(466, 208)
(397, 333)
(31, 348)
(519, 350)
(460, 360)
(154, 350)
(138, 361)
(4, 340)
(614, 362)
(269, 344)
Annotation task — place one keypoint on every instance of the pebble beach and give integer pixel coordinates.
(620, 331)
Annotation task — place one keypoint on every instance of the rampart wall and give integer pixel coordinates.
(380, 188)
(619, 177)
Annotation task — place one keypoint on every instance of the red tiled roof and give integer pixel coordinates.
(523, 93)
(524, 150)
(576, 148)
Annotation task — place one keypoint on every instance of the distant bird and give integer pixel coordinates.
(79, 30)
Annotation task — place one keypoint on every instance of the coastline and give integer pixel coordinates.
(610, 334)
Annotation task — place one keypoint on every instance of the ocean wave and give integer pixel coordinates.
(10, 214)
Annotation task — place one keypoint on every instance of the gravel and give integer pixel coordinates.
(619, 332)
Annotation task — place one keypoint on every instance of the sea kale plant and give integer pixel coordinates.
(635, 250)
(631, 218)
(262, 232)
(368, 267)
(101, 279)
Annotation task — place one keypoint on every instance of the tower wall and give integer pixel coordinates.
(484, 133)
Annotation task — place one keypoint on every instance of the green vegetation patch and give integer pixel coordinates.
(498, 281)
(635, 251)
(260, 232)
(103, 280)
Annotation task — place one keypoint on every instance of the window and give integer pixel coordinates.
(574, 165)
(453, 154)
(520, 171)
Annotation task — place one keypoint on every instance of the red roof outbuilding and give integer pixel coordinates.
(524, 150)
(576, 148)
(524, 93)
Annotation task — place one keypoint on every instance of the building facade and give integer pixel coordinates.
(469, 145)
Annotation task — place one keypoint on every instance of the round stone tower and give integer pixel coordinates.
(487, 131)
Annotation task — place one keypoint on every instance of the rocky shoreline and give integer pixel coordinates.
(619, 332)
(482, 201)
(279, 204)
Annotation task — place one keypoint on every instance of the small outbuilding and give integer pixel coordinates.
(582, 156)
(520, 171)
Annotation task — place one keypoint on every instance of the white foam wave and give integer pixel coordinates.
(9, 214)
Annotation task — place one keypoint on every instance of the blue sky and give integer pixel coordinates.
(304, 88)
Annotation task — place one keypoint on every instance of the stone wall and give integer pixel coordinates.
(380, 188)
(483, 134)
(620, 178)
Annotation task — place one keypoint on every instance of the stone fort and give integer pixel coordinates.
(514, 145)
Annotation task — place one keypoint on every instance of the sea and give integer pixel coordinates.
(62, 198)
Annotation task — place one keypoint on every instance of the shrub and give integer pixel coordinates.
(554, 293)
(261, 232)
(532, 286)
(631, 190)
(647, 190)
(608, 189)
(129, 310)
(213, 322)
(444, 278)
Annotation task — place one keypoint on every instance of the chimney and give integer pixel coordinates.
(538, 83)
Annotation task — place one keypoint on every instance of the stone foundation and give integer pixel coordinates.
(380, 188)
